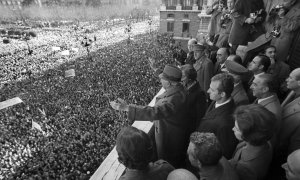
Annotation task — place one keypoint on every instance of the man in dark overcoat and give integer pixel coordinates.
(169, 116)
(218, 117)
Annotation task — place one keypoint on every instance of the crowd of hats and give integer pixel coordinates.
(80, 127)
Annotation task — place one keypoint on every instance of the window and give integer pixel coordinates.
(185, 16)
(170, 26)
(185, 27)
(170, 15)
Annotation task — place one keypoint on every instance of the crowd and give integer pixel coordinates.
(223, 116)
(80, 127)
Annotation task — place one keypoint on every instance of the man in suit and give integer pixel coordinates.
(222, 55)
(289, 137)
(169, 116)
(237, 71)
(264, 89)
(196, 96)
(203, 66)
(259, 65)
(218, 117)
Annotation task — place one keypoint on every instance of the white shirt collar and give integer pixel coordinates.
(259, 74)
(218, 105)
(260, 100)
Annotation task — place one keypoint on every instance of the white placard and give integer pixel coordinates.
(70, 73)
(55, 48)
(10, 102)
(65, 53)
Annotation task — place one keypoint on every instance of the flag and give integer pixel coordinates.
(35, 125)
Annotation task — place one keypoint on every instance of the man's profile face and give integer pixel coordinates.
(291, 81)
(190, 153)
(290, 168)
(271, 53)
(257, 87)
(254, 64)
(213, 91)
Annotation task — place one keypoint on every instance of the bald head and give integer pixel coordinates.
(191, 42)
(292, 166)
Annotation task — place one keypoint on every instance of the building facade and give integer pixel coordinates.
(184, 19)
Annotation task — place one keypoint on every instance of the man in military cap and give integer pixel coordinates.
(203, 66)
(239, 94)
(169, 116)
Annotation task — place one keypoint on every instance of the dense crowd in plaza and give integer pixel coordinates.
(222, 115)
(78, 126)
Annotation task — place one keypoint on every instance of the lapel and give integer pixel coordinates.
(212, 111)
(217, 68)
(291, 108)
(237, 89)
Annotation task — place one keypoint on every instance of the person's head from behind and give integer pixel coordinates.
(293, 81)
(181, 174)
(222, 55)
(189, 74)
(134, 148)
(221, 87)
(263, 85)
(292, 166)
(259, 64)
(254, 124)
(191, 43)
(204, 150)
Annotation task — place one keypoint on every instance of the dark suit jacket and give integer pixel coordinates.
(171, 129)
(252, 162)
(196, 105)
(289, 136)
(223, 171)
(239, 95)
(204, 68)
(220, 122)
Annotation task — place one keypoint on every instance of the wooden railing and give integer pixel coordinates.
(111, 169)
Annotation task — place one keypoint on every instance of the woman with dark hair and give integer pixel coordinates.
(254, 127)
(135, 151)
